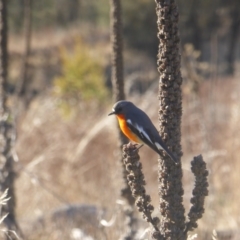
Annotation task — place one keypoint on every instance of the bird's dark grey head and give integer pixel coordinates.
(120, 107)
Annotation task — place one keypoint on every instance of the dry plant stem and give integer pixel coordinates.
(117, 76)
(200, 191)
(117, 46)
(116, 57)
(170, 112)
(118, 94)
(136, 182)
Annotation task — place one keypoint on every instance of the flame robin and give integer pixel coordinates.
(138, 127)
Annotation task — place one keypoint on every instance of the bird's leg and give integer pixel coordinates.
(135, 145)
(138, 147)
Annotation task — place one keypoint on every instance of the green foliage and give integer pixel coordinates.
(82, 77)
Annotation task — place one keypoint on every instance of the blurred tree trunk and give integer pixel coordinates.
(73, 10)
(7, 174)
(192, 23)
(67, 11)
(24, 80)
(233, 38)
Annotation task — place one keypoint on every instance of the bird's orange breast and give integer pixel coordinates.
(125, 129)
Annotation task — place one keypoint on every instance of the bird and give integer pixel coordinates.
(138, 127)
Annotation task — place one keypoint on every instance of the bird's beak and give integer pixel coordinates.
(111, 113)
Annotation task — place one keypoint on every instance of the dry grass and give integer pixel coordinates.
(48, 149)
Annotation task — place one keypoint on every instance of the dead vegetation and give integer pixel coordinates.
(50, 175)
(65, 161)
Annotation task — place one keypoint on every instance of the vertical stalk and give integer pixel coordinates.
(118, 94)
(170, 112)
(22, 86)
(7, 174)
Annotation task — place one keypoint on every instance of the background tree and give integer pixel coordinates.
(139, 28)
(67, 11)
(7, 173)
(25, 78)
(233, 8)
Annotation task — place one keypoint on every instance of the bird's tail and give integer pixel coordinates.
(173, 157)
(169, 153)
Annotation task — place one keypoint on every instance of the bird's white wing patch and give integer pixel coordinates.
(141, 130)
(158, 145)
(130, 122)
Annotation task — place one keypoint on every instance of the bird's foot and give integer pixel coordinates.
(138, 146)
(135, 145)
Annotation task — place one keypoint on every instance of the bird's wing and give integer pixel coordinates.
(143, 133)
(150, 137)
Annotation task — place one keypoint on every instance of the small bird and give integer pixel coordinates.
(138, 127)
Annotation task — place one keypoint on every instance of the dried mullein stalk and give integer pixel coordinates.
(170, 113)
(200, 191)
(137, 182)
